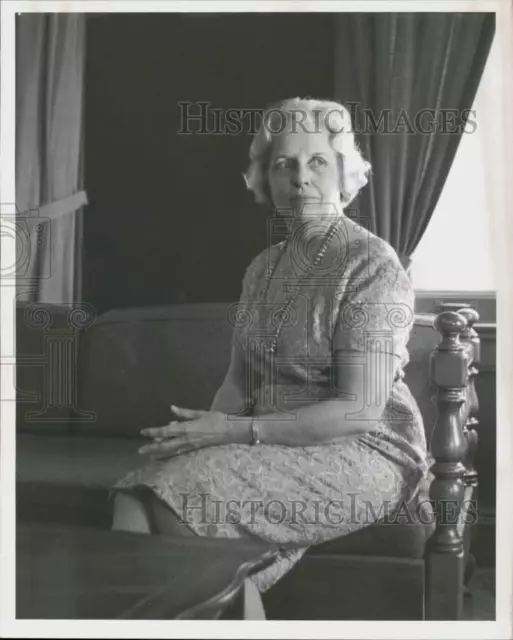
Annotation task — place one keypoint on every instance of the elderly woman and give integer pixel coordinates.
(313, 432)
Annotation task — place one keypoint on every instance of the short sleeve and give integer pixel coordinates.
(376, 311)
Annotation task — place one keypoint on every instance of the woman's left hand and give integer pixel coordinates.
(196, 430)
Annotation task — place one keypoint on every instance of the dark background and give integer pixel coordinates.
(170, 218)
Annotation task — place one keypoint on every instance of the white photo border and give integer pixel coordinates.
(502, 226)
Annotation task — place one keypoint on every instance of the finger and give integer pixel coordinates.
(168, 431)
(165, 447)
(179, 450)
(181, 440)
(189, 414)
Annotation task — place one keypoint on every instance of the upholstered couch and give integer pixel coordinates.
(86, 387)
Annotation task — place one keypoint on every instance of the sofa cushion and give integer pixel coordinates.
(134, 363)
(63, 488)
(404, 537)
(67, 480)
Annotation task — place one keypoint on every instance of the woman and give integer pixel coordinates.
(313, 430)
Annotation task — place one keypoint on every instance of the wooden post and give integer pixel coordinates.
(444, 557)
(471, 337)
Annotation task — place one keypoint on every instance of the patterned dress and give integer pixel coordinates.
(358, 300)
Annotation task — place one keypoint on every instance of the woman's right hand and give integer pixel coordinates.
(197, 430)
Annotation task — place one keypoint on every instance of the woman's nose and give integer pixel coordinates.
(300, 177)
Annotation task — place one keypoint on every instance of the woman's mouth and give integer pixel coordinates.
(303, 198)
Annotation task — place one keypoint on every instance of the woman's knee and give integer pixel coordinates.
(130, 514)
(144, 512)
(166, 520)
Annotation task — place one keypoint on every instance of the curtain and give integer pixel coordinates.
(407, 79)
(50, 59)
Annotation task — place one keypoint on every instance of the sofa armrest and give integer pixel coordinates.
(445, 552)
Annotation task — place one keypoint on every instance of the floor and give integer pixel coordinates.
(480, 603)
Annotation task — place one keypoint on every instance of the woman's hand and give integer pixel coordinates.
(197, 430)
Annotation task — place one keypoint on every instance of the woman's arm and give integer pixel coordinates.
(362, 393)
(230, 398)
(360, 397)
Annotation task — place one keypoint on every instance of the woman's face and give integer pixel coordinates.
(304, 173)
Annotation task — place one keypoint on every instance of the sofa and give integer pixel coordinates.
(87, 385)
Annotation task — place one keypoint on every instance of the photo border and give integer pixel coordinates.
(503, 259)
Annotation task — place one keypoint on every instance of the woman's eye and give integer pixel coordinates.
(317, 161)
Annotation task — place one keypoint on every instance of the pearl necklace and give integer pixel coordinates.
(283, 314)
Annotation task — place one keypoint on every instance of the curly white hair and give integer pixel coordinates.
(295, 112)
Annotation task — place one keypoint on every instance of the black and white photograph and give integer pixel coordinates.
(250, 317)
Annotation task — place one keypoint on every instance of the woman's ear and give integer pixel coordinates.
(267, 192)
(266, 188)
(341, 179)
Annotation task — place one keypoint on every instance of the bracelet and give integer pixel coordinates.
(254, 433)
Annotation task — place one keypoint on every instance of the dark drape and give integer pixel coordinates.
(408, 79)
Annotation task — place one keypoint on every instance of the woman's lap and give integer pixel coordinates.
(298, 496)
(285, 494)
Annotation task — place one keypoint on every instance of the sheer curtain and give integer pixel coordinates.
(50, 58)
(463, 211)
(396, 66)
(495, 108)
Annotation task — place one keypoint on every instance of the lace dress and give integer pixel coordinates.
(358, 297)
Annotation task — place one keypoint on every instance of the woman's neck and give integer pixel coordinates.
(309, 235)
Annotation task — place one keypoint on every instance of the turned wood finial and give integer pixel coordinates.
(449, 373)
(450, 324)
(451, 306)
(471, 337)
(469, 333)
(470, 315)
